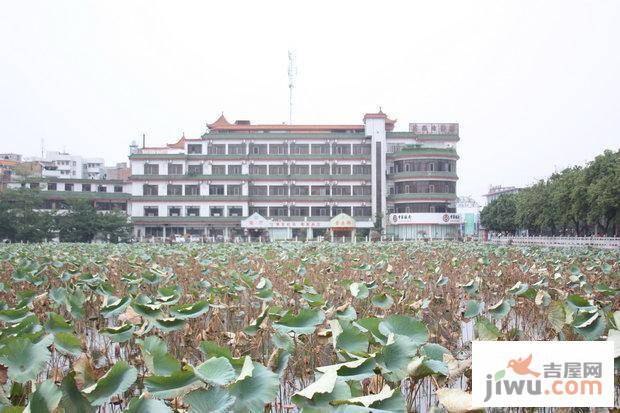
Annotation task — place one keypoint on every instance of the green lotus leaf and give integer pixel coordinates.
(14, 315)
(434, 351)
(354, 370)
(351, 339)
(280, 361)
(150, 311)
(74, 303)
(173, 385)
(27, 326)
(358, 290)
(255, 325)
(324, 384)
(57, 324)
(372, 400)
(212, 349)
(45, 399)
(25, 359)
(190, 310)
(321, 401)
(499, 310)
(372, 324)
(590, 325)
(170, 323)
(304, 322)
(486, 330)
(395, 356)
(145, 404)
(169, 295)
(404, 326)
(216, 371)
(118, 334)
(473, 309)
(214, 400)
(24, 298)
(423, 367)
(114, 307)
(252, 392)
(73, 401)
(283, 341)
(382, 301)
(116, 381)
(156, 356)
(314, 300)
(577, 303)
(67, 343)
(441, 281)
(348, 314)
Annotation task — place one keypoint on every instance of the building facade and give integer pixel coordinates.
(299, 181)
(498, 190)
(64, 165)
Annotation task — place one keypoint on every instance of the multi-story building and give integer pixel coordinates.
(299, 181)
(63, 165)
(498, 190)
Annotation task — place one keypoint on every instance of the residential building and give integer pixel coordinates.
(64, 165)
(469, 210)
(495, 191)
(299, 181)
(119, 172)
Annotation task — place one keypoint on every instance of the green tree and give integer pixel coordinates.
(500, 214)
(21, 217)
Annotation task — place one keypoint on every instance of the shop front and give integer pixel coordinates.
(342, 227)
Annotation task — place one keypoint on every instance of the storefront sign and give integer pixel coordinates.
(421, 218)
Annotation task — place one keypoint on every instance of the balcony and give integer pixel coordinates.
(407, 175)
(434, 196)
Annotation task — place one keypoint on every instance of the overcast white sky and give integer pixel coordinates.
(535, 85)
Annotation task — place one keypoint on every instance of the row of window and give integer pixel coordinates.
(261, 190)
(421, 207)
(280, 149)
(423, 165)
(423, 187)
(70, 187)
(275, 211)
(99, 205)
(280, 169)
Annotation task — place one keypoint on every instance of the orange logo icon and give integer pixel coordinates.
(522, 367)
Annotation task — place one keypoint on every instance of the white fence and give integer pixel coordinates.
(598, 242)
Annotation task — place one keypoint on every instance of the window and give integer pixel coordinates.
(258, 169)
(361, 149)
(236, 149)
(362, 211)
(151, 169)
(431, 188)
(339, 190)
(431, 166)
(300, 211)
(319, 169)
(175, 190)
(361, 169)
(278, 190)
(216, 211)
(218, 170)
(278, 211)
(258, 190)
(234, 190)
(192, 211)
(192, 190)
(361, 190)
(342, 149)
(118, 188)
(51, 186)
(258, 149)
(300, 169)
(235, 211)
(297, 149)
(194, 169)
(175, 169)
(174, 211)
(68, 187)
(151, 211)
(278, 169)
(407, 189)
(102, 188)
(85, 187)
(234, 169)
(277, 149)
(320, 211)
(322, 149)
(259, 210)
(216, 189)
(149, 190)
(300, 190)
(217, 149)
(341, 169)
(319, 190)
(194, 148)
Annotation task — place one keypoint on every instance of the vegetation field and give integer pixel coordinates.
(280, 327)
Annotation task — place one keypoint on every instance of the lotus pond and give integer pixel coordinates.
(281, 327)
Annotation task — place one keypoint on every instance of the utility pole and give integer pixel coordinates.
(292, 73)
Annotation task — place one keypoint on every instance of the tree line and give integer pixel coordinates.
(579, 201)
(23, 220)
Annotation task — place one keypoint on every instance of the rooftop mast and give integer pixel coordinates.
(292, 72)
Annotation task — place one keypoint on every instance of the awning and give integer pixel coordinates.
(342, 222)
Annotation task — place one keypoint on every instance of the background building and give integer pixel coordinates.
(469, 210)
(299, 181)
(498, 190)
(64, 165)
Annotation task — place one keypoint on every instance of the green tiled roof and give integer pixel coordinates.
(246, 177)
(434, 195)
(423, 174)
